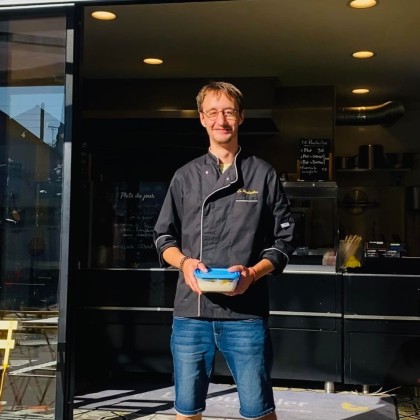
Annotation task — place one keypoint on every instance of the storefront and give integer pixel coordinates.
(85, 164)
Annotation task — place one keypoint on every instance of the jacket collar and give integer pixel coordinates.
(214, 159)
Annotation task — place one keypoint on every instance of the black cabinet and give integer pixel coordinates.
(306, 326)
(325, 326)
(381, 329)
(122, 325)
(124, 317)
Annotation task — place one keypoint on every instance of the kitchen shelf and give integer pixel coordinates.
(374, 170)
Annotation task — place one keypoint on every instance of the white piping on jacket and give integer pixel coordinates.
(202, 214)
(161, 236)
(275, 249)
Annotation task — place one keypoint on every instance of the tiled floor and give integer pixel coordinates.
(407, 402)
(407, 399)
(408, 407)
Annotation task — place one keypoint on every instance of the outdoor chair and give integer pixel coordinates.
(6, 345)
(32, 384)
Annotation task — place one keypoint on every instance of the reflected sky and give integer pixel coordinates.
(24, 105)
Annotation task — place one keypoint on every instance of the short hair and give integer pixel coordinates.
(219, 87)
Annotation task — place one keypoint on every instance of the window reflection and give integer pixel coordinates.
(32, 60)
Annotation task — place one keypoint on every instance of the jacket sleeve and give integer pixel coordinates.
(282, 224)
(167, 231)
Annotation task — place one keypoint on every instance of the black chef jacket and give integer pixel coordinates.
(223, 219)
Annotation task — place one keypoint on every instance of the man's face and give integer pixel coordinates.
(223, 128)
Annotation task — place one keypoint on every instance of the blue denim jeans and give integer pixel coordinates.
(246, 347)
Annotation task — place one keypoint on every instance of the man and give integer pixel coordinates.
(224, 209)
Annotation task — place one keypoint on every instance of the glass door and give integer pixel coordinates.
(32, 159)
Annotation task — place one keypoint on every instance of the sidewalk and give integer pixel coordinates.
(408, 404)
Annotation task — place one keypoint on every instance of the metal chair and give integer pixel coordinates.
(7, 344)
(31, 384)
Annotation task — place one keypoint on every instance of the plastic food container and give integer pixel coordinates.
(217, 280)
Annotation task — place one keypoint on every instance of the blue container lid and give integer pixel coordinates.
(217, 273)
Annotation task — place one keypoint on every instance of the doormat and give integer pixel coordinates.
(223, 402)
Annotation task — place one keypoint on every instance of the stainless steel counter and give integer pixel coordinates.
(310, 269)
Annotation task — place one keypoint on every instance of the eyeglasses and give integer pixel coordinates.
(229, 114)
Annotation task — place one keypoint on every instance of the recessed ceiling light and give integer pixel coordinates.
(362, 4)
(360, 91)
(363, 54)
(153, 61)
(103, 15)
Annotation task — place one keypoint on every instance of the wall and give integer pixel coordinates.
(276, 118)
(402, 137)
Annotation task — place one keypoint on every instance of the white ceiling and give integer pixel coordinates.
(299, 42)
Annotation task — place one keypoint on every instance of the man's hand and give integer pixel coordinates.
(189, 266)
(174, 257)
(245, 280)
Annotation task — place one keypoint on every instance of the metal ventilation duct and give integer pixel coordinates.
(384, 114)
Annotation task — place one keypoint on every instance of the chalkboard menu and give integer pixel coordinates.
(136, 209)
(314, 160)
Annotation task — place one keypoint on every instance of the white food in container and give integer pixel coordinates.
(217, 280)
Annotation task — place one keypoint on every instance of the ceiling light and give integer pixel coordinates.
(363, 54)
(360, 91)
(103, 15)
(153, 61)
(362, 4)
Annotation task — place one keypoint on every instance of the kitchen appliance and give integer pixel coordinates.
(371, 156)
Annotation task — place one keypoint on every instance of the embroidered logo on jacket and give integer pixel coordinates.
(247, 195)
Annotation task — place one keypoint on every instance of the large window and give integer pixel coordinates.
(32, 115)
(32, 109)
